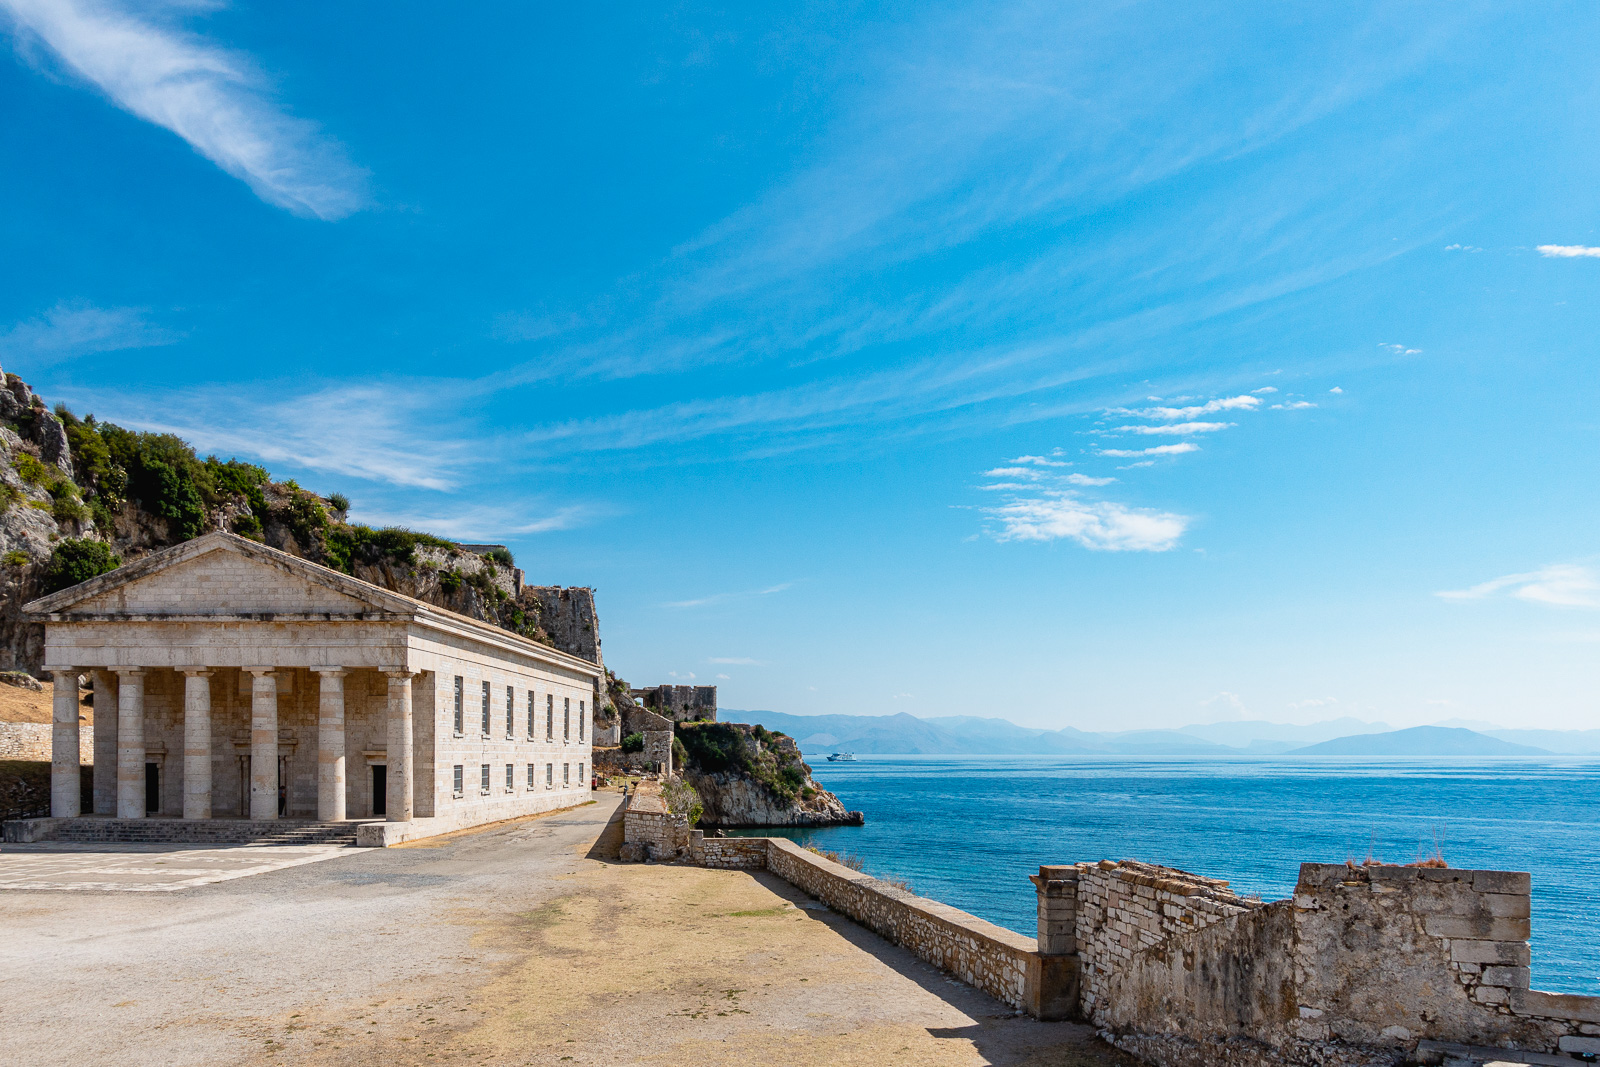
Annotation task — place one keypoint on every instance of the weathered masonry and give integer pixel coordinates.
(236, 682)
(1374, 965)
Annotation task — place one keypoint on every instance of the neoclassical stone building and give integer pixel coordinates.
(234, 681)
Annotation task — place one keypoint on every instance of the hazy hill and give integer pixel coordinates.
(1421, 741)
(966, 735)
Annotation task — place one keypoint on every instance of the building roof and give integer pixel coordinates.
(371, 602)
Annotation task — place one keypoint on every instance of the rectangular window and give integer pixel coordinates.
(485, 709)
(511, 777)
(530, 775)
(460, 708)
(511, 718)
(530, 722)
(549, 717)
(484, 778)
(580, 776)
(458, 778)
(581, 714)
(549, 774)
(566, 720)
(566, 775)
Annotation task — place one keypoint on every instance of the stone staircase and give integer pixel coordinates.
(92, 830)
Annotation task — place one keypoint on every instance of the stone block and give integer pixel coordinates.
(1489, 994)
(1510, 977)
(1444, 874)
(1508, 953)
(1519, 882)
(1477, 927)
(1567, 1006)
(1506, 905)
(1582, 1046)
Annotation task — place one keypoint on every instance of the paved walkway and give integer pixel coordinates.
(137, 868)
(522, 944)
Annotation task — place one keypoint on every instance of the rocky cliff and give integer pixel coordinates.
(79, 497)
(748, 776)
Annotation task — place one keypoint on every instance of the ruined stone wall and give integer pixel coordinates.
(568, 615)
(650, 830)
(1357, 968)
(1125, 908)
(680, 703)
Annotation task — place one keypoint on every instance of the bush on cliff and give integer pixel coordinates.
(713, 747)
(77, 561)
(633, 743)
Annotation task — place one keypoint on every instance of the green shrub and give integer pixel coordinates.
(682, 799)
(350, 543)
(501, 555)
(9, 495)
(16, 558)
(303, 514)
(77, 561)
(69, 509)
(633, 743)
(338, 502)
(32, 470)
(450, 581)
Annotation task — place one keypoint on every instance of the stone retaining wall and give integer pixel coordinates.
(31, 741)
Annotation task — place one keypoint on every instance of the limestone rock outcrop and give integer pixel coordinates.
(748, 776)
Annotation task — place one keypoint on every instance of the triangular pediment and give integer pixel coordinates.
(222, 574)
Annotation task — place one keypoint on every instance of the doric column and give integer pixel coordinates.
(105, 743)
(263, 743)
(130, 744)
(196, 743)
(64, 787)
(330, 744)
(399, 801)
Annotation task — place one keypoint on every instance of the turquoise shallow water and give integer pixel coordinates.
(968, 831)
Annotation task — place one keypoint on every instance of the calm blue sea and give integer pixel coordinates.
(969, 830)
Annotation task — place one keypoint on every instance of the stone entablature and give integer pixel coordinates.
(235, 680)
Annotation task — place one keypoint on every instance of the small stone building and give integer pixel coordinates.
(234, 681)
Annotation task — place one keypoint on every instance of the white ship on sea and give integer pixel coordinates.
(842, 757)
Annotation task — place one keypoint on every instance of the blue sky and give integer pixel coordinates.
(1104, 365)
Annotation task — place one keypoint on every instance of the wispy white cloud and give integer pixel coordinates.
(1043, 461)
(1398, 350)
(1293, 405)
(1569, 251)
(1159, 450)
(1231, 403)
(1084, 479)
(1561, 585)
(77, 328)
(1336, 389)
(389, 432)
(1313, 702)
(723, 598)
(475, 523)
(1229, 701)
(1265, 389)
(1177, 429)
(1099, 525)
(212, 98)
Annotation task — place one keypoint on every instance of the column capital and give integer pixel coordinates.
(198, 672)
(57, 672)
(401, 675)
(259, 671)
(334, 672)
(129, 672)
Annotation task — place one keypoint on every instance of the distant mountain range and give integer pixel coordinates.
(962, 735)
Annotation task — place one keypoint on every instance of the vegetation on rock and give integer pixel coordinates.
(77, 561)
(711, 747)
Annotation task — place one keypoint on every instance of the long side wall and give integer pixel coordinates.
(31, 741)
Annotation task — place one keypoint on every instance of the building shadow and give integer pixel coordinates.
(607, 846)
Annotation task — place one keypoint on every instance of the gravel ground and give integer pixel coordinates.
(521, 944)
